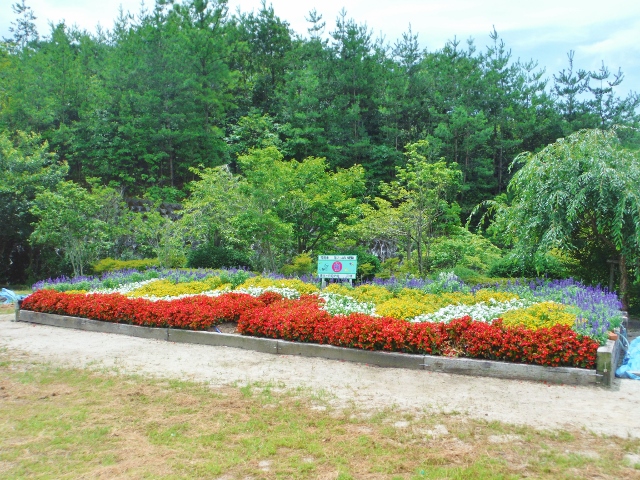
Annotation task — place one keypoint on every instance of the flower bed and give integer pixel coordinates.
(541, 322)
(196, 312)
(304, 319)
(116, 279)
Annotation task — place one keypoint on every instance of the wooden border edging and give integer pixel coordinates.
(463, 366)
(609, 357)
(264, 345)
(93, 325)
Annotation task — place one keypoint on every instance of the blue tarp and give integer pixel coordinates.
(630, 367)
(9, 297)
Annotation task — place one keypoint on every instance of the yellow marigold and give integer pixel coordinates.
(404, 308)
(164, 288)
(371, 294)
(456, 298)
(214, 282)
(485, 295)
(544, 314)
(339, 289)
(413, 294)
(409, 300)
(294, 283)
(76, 291)
(441, 299)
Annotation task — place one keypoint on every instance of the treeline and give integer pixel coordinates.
(186, 86)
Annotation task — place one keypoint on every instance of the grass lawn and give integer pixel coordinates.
(64, 423)
(7, 309)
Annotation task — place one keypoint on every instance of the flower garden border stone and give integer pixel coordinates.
(264, 345)
(92, 325)
(610, 356)
(513, 371)
(330, 352)
(465, 366)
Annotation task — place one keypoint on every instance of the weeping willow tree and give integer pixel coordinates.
(581, 191)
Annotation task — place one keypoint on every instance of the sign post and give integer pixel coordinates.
(337, 266)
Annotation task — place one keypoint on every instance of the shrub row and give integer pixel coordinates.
(269, 315)
(111, 265)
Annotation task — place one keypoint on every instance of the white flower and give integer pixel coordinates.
(126, 288)
(257, 291)
(479, 311)
(337, 304)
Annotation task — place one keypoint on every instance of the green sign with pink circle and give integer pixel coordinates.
(337, 266)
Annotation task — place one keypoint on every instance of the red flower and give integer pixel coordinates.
(303, 320)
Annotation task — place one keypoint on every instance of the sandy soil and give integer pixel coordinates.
(610, 412)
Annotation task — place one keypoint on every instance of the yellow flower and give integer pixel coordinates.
(371, 294)
(165, 288)
(544, 314)
(339, 289)
(486, 295)
(261, 282)
(406, 308)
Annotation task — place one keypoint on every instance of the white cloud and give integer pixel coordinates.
(620, 41)
(544, 30)
(434, 19)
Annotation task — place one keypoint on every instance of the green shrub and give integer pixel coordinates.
(47, 264)
(471, 277)
(211, 256)
(235, 278)
(549, 265)
(110, 264)
(388, 268)
(463, 249)
(300, 265)
(634, 298)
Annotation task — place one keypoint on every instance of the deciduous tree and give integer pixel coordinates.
(579, 189)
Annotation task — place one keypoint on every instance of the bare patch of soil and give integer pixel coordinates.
(226, 327)
(341, 384)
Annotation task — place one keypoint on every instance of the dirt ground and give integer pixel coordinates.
(603, 411)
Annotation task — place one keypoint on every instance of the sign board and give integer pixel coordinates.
(337, 266)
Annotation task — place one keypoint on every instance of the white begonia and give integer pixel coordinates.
(337, 304)
(483, 311)
(290, 293)
(125, 288)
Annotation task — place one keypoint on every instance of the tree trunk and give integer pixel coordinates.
(419, 240)
(171, 169)
(624, 283)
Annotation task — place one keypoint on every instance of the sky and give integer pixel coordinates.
(544, 30)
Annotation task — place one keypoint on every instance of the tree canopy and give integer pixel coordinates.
(578, 195)
(26, 165)
(276, 208)
(280, 143)
(183, 84)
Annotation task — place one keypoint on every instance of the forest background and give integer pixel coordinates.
(203, 138)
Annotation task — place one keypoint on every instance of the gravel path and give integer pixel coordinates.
(610, 412)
